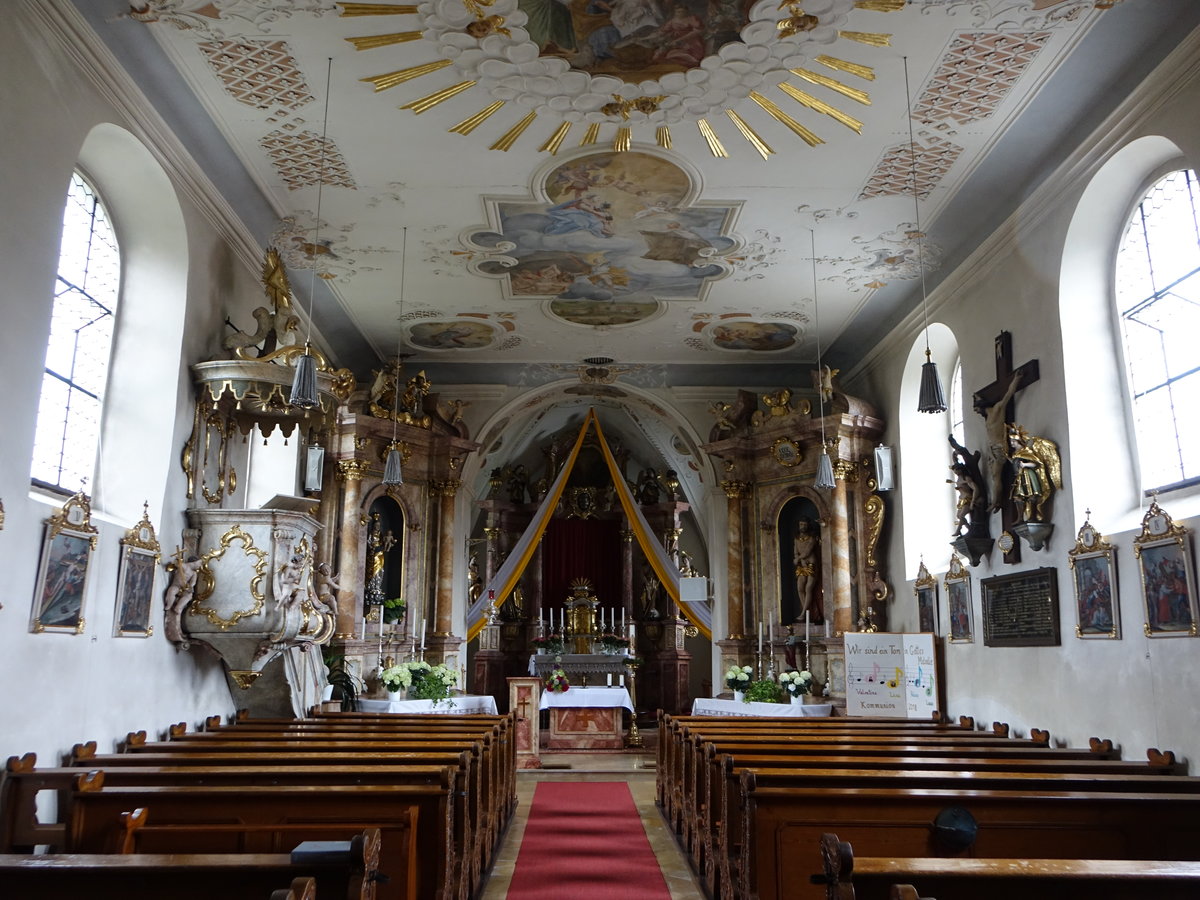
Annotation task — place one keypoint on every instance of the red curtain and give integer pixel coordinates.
(581, 548)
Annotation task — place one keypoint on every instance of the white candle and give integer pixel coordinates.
(760, 638)
(610, 679)
(422, 634)
(806, 626)
(826, 628)
(363, 634)
(632, 639)
(771, 635)
(622, 617)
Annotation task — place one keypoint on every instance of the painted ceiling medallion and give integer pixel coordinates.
(632, 62)
(600, 244)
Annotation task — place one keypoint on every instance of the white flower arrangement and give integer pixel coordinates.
(737, 677)
(796, 683)
(425, 681)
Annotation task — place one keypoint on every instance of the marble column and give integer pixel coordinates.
(444, 603)
(350, 472)
(627, 572)
(491, 561)
(838, 541)
(736, 588)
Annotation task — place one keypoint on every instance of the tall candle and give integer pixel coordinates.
(422, 634)
(806, 627)
(771, 635)
(760, 638)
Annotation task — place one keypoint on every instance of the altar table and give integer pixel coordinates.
(711, 706)
(465, 704)
(586, 718)
(596, 668)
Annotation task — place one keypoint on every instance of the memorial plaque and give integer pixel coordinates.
(1021, 610)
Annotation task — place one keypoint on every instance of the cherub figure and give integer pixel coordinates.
(327, 589)
(289, 582)
(797, 21)
(184, 574)
(823, 381)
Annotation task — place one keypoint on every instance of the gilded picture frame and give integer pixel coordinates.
(960, 624)
(64, 569)
(926, 589)
(1093, 564)
(1164, 554)
(136, 579)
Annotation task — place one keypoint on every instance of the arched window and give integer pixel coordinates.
(958, 426)
(81, 334)
(1158, 304)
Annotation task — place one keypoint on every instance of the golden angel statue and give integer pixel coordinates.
(1038, 472)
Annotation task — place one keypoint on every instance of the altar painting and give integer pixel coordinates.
(615, 230)
(634, 40)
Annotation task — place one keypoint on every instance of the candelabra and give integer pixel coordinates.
(634, 739)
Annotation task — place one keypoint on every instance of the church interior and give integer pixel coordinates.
(481, 350)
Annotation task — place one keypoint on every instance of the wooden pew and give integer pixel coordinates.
(782, 826)
(191, 876)
(267, 819)
(847, 877)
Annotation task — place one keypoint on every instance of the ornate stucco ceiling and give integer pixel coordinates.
(649, 194)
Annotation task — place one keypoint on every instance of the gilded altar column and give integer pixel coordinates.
(839, 552)
(735, 590)
(627, 572)
(350, 472)
(444, 604)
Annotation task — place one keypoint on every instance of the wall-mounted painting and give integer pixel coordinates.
(958, 602)
(140, 552)
(1164, 551)
(65, 564)
(926, 588)
(1093, 564)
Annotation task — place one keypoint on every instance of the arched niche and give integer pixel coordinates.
(801, 555)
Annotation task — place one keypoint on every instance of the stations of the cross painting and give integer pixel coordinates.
(996, 403)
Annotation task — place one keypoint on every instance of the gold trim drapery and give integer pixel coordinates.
(509, 573)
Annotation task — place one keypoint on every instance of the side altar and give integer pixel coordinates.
(583, 669)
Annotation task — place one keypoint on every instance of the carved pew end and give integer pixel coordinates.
(301, 889)
(1000, 729)
(1100, 746)
(1039, 736)
(967, 722)
(1164, 758)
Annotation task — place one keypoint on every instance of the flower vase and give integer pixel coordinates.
(395, 696)
(739, 696)
(797, 699)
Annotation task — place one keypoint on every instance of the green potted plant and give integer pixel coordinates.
(764, 691)
(345, 686)
(393, 609)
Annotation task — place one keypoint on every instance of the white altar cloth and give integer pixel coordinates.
(580, 697)
(467, 704)
(711, 706)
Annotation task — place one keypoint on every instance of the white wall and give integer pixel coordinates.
(63, 688)
(1139, 691)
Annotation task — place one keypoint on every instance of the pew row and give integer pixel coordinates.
(195, 876)
(846, 877)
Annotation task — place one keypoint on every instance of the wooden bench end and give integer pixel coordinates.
(25, 763)
(967, 722)
(1160, 758)
(1000, 729)
(1039, 736)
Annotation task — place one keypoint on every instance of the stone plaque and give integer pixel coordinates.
(1021, 610)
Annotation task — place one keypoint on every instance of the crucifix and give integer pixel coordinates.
(996, 404)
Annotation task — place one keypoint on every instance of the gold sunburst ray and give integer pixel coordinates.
(510, 137)
(591, 135)
(371, 42)
(377, 9)
(806, 99)
(841, 65)
(834, 85)
(555, 140)
(662, 136)
(466, 126)
(714, 142)
(880, 5)
(784, 119)
(391, 79)
(764, 149)
(870, 38)
(426, 103)
(624, 139)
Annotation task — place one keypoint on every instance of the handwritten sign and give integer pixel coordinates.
(891, 675)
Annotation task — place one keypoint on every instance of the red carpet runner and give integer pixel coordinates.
(585, 841)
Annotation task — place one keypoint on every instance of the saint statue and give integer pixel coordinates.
(804, 550)
(1038, 472)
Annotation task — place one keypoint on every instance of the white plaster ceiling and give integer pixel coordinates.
(993, 83)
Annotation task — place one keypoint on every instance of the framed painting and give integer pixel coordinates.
(140, 553)
(927, 600)
(64, 567)
(1093, 567)
(958, 602)
(1164, 552)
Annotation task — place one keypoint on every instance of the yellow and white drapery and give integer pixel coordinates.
(509, 573)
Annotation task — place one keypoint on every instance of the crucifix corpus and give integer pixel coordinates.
(996, 404)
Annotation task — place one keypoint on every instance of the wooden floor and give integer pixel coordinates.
(637, 770)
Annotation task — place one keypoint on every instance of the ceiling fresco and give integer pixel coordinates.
(660, 169)
(615, 234)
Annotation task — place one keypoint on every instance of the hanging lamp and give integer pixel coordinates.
(304, 382)
(931, 398)
(824, 480)
(392, 468)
